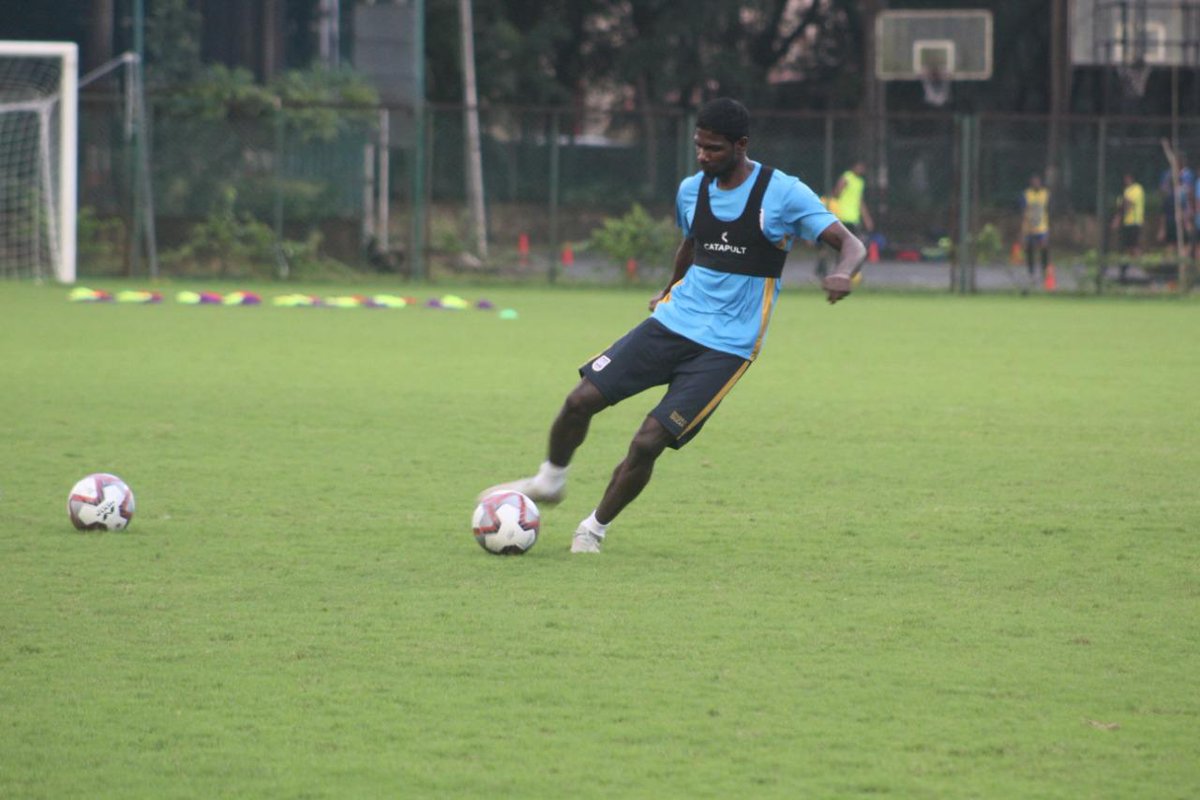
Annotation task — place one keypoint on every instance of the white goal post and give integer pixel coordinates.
(39, 108)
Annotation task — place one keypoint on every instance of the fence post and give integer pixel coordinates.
(385, 184)
(368, 218)
(1101, 204)
(962, 249)
(281, 263)
(554, 177)
(828, 176)
(976, 156)
(416, 233)
(687, 150)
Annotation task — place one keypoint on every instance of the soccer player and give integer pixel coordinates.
(1035, 225)
(739, 219)
(848, 205)
(1130, 216)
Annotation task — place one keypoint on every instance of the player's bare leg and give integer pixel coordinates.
(567, 432)
(628, 480)
(570, 427)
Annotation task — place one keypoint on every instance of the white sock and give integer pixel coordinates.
(593, 525)
(552, 475)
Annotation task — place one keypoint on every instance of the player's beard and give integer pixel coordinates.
(719, 171)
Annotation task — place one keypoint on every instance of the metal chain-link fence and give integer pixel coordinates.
(301, 189)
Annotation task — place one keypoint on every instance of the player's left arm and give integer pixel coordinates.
(803, 211)
(851, 255)
(866, 217)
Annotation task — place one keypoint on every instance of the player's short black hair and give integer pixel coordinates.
(725, 116)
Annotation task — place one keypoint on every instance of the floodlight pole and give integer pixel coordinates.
(1059, 90)
(143, 189)
(416, 237)
(474, 154)
(139, 50)
(874, 131)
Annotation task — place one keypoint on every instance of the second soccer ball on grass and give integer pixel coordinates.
(100, 502)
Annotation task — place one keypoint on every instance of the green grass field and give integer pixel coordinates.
(930, 547)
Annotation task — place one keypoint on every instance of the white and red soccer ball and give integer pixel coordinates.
(100, 502)
(506, 523)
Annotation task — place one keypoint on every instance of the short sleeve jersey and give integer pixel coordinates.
(849, 202)
(1036, 203)
(1135, 205)
(727, 311)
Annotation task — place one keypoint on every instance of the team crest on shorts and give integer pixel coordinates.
(600, 363)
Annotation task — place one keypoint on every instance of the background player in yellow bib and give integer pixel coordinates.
(1128, 221)
(1035, 225)
(847, 203)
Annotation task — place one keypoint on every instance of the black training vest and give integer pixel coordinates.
(738, 246)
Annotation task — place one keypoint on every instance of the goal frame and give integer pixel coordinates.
(64, 252)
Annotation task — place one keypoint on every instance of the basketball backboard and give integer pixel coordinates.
(954, 44)
(1135, 32)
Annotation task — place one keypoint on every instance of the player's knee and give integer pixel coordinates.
(584, 400)
(649, 442)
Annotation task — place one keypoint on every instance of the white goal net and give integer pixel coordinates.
(38, 108)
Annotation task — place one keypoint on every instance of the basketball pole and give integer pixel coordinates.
(1180, 254)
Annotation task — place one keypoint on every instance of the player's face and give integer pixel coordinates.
(715, 154)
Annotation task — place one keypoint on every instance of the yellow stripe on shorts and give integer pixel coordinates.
(708, 409)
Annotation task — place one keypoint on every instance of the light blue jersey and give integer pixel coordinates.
(730, 312)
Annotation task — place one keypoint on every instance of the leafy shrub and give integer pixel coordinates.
(232, 245)
(101, 242)
(989, 244)
(299, 137)
(636, 237)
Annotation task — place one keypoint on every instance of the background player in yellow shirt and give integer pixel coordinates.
(1130, 216)
(847, 204)
(1035, 225)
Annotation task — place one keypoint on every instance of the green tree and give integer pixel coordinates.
(172, 43)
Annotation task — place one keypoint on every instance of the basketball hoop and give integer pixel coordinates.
(936, 86)
(1134, 78)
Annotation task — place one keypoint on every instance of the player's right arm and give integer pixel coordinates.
(685, 207)
(684, 256)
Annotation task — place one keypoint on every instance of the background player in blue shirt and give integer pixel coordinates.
(739, 219)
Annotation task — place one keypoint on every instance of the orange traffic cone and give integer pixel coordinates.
(1015, 255)
(873, 252)
(1051, 283)
(631, 269)
(523, 248)
(568, 256)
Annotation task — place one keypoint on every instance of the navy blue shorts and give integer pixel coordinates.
(696, 377)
